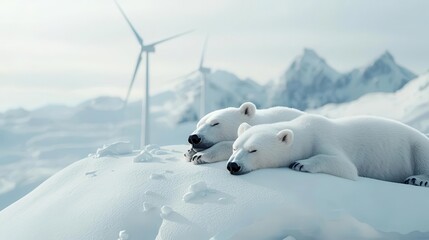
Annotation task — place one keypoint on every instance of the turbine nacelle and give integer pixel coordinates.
(148, 48)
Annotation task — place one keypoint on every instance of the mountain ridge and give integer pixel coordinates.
(310, 82)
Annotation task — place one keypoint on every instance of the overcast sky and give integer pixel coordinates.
(67, 51)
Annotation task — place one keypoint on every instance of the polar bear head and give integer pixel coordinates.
(261, 146)
(221, 125)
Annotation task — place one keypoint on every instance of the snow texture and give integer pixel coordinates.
(265, 204)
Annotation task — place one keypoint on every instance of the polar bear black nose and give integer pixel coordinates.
(233, 167)
(194, 139)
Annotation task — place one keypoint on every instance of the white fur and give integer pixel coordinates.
(221, 126)
(365, 146)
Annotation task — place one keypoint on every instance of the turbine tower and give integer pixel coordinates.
(204, 71)
(148, 48)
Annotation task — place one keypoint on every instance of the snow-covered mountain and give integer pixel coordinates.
(409, 105)
(224, 90)
(310, 82)
(305, 83)
(383, 75)
(165, 197)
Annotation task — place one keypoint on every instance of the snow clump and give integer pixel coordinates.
(194, 190)
(117, 148)
(123, 235)
(143, 156)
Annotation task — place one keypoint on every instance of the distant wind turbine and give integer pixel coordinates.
(204, 71)
(149, 48)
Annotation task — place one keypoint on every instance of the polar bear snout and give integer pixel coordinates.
(233, 168)
(194, 139)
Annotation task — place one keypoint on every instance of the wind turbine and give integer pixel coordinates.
(204, 71)
(144, 48)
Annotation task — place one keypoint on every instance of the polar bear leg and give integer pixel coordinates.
(219, 152)
(418, 180)
(336, 164)
(421, 165)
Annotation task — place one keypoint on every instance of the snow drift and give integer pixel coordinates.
(165, 197)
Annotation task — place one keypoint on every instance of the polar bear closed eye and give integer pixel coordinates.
(349, 147)
(212, 139)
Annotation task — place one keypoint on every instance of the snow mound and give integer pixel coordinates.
(195, 190)
(166, 211)
(143, 156)
(97, 198)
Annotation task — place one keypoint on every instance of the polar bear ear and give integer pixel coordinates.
(285, 136)
(248, 109)
(242, 128)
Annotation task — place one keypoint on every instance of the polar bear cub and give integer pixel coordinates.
(348, 147)
(216, 131)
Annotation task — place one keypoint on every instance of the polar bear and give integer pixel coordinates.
(212, 140)
(349, 147)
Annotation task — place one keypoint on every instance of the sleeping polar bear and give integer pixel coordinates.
(216, 131)
(365, 146)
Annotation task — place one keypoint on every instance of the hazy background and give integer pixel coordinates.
(68, 51)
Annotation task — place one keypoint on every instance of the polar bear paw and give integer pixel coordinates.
(299, 166)
(189, 154)
(418, 180)
(198, 158)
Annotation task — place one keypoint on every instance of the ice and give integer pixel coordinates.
(117, 148)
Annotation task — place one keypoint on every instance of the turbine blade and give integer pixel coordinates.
(139, 39)
(185, 76)
(169, 38)
(139, 59)
(204, 52)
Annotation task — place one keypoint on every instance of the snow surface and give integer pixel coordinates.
(36, 144)
(107, 197)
